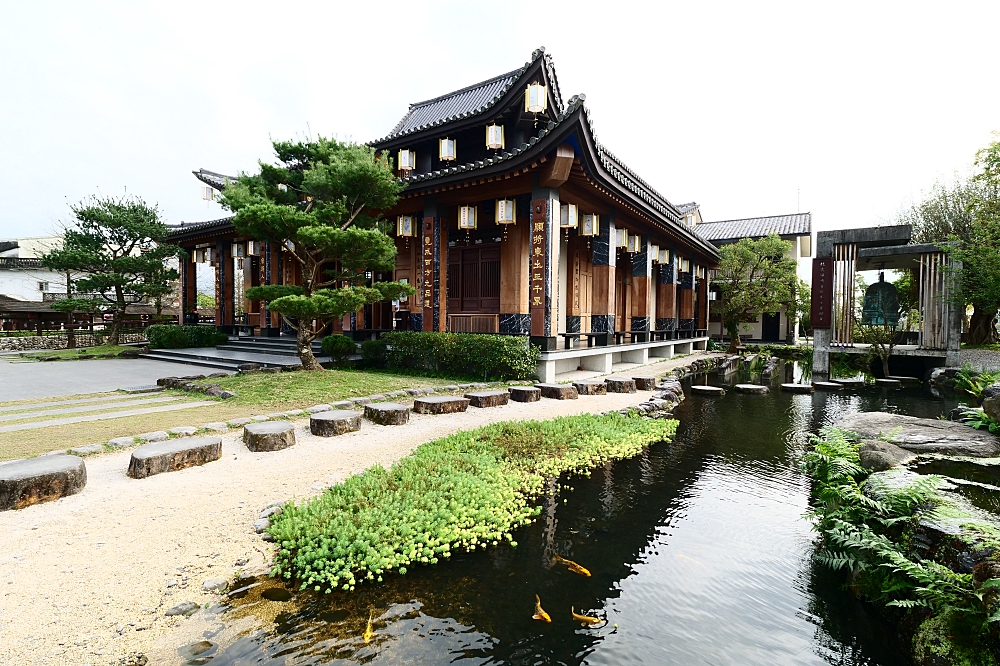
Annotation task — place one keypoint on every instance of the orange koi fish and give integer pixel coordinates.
(539, 613)
(369, 632)
(573, 566)
(586, 620)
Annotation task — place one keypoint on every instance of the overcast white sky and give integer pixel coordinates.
(739, 106)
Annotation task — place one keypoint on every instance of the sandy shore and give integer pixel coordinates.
(87, 579)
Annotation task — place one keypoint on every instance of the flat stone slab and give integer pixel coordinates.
(217, 426)
(121, 442)
(888, 383)
(316, 409)
(645, 383)
(269, 436)
(343, 404)
(751, 388)
(173, 455)
(525, 393)
(828, 386)
(334, 422)
(387, 413)
(558, 391)
(87, 450)
(488, 398)
(184, 431)
(158, 436)
(591, 387)
(905, 380)
(923, 435)
(618, 385)
(41, 479)
(853, 381)
(798, 388)
(440, 404)
(701, 389)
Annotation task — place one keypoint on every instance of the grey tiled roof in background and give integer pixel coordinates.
(185, 227)
(216, 180)
(686, 208)
(798, 224)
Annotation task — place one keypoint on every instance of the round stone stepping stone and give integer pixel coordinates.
(905, 380)
(888, 383)
(333, 423)
(829, 386)
(645, 383)
(751, 388)
(158, 436)
(440, 404)
(184, 431)
(617, 385)
(558, 391)
(387, 413)
(41, 479)
(174, 455)
(488, 398)
(852, 381)
(525, 394)
(591, 387)
(701, 389)
(269, 436)
(797, 388)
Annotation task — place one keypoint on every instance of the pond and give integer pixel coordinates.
(697, 549)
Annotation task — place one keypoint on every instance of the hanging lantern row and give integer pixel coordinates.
(446, 150)
(467, 217)
(568, 216)
(203, 255)
(654, 252)
(494, 137)
(634, 243)
(664, 257)
(405, 226)
(683, 265)
(250, 248)
(621, 237)
(407, 160)
(591, 225)
(535, 98)
(506, 211)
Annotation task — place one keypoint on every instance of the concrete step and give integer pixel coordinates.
(219, 365)
(260, 349)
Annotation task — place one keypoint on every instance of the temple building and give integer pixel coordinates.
(514, 219)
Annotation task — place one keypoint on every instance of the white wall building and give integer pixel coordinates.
(21, 274)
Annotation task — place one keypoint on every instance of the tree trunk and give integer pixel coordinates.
(733, 328)
(981, 327)
(118, 318)
(70, 332)
(303, 340)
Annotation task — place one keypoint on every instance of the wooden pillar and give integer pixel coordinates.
(544, 294)
(515, 267)
(189, 285)
(602, 308)
(702, 314)
(666, 297)
(685, 297)
(641, 303)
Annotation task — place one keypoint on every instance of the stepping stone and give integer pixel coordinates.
(751, 388)
(258, 419)
(295, 412)
(343, 404)
(236, 423)
(334, 422)
(829, 386)
(488, 398)
(591, 387)
(360, 401)
(617, 385)
(316, 409)
(645, 383)
(378, 397)
(853, 381)
(798, 388)
(387, 413)
(217, 426)
(905, 380)
(158, 436)
(525, 393)
(558, 391)
(888, 383)
(440, 404)
(41, 479)
(270, 436)
(174, 455)
(121, 442)
(87, 450)
(183, 431)
(700, 389)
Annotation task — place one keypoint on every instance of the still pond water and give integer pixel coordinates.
(698, 551)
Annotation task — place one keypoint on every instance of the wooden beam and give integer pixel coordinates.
(557, 172)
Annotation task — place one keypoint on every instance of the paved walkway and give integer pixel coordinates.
(20, 381)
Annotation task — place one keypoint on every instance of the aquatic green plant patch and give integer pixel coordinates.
(463, 492)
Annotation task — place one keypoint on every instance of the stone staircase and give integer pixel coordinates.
(237, 351)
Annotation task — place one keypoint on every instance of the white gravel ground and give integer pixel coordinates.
(984, 360)
(86, 579)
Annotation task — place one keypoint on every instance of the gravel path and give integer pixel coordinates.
(983, 360)
(86, 579)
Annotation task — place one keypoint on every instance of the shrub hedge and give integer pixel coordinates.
(169, 336)
(464, 492)
(339, 347)
(486, 356)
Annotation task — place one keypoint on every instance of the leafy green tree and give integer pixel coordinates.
(118, 244)
(321, 202)
(754, 276)
(205, 301)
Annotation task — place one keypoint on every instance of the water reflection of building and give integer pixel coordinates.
(515, 219)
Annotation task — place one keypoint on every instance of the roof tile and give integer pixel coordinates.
(798, 224)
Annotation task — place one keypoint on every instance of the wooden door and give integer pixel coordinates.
(474, 280)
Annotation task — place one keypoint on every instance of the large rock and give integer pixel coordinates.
(440, 404)
(333, 423)
(558, 391)
(922, 435)
(268, 436)
(591, 387)
(42, 479)
(619, 385)
(173, 455)
(525, 393)
(879, 456)
(387, 413)
(991, 401)
(797, 388)
(488, 398)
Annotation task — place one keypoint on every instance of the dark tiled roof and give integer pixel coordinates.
(798, 224)
(686, 208)
(185, 227)
(469, 101)
(8, 304)
(216, 180)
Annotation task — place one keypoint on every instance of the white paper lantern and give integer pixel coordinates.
(535, 98)
(404, 225)
(467, 217)
(494, 137)
(621, 237)
(506, 211)
(591, 225)
(635, 243)
(568, 216)
(446, 150)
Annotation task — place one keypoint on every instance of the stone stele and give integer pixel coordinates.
(41, 479)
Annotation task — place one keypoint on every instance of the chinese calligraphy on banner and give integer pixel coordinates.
(427, 270)
(539, 243)
(822, 293)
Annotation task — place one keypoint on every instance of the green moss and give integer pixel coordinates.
(941, 639)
